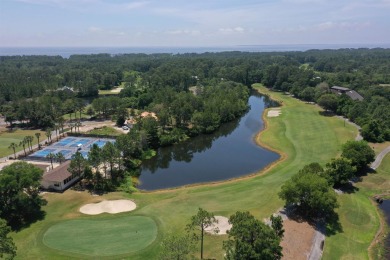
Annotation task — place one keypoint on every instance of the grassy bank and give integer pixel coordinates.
(300, 133)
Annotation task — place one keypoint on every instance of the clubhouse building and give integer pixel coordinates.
(59, 178)
(350, 93)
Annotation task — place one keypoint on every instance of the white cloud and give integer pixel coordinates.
(184, 32)
(94, 29)
(228, 30)
(89, 5)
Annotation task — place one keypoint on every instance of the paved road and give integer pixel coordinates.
(379, 158)
(317, 244)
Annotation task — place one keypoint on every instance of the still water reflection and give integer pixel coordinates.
(385, 206)
(229, 152)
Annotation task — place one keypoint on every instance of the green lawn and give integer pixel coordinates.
(110, 91)
(16, 136)
(300, 133)
(359, 217)
(105, 130)
(107, 237)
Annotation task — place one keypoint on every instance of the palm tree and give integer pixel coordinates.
(26, 139)
(37, 135)
(60, 157)
(29, 141)
(23, 143)
(61, 124)
(48, 134)
(71, 127)
(51, 156)
(13, 147)
(57, 129)
(78, 124)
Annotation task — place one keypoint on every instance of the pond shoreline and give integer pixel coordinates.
(257, 140)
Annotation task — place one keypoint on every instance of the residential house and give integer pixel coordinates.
(350, 93)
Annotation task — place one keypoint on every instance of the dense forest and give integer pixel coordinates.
(197, 92)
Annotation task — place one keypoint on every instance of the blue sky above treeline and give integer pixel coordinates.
(192, 23)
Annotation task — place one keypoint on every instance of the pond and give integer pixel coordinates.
(228, 153)
(385, 207)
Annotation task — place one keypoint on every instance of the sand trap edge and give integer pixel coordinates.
(108, 206)
(223, 226)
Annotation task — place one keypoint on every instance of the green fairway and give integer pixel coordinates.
(300, 133)
(16, 136)
(114, 236)
(359, 217)
(359, 224)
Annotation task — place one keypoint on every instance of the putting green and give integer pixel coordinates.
(108, 237)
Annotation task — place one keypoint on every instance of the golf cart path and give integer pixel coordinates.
(379, 158)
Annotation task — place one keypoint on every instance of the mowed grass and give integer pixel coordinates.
(359, 222)
(105, 130)
(300, 133)
(113, 236)
(359, 216)
(16, 136)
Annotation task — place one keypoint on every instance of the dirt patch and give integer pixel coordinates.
(108, 206)
(222, 226)
(297, 240)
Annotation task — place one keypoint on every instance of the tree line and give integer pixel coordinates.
(37, 82)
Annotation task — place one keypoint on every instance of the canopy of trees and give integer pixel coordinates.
(311, 195)
(20, 203)
(250, 238)
(7, 246)
(38, 89)
(359, 152)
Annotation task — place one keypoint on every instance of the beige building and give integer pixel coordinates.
(59, 178)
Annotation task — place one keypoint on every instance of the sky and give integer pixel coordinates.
(127, 23)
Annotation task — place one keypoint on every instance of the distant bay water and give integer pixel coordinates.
(66, 52)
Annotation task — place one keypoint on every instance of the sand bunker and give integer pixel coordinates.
(222, 225)
(274, 112)
(108, 206)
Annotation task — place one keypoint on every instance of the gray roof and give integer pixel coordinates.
(354, 95)
(340, 88)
